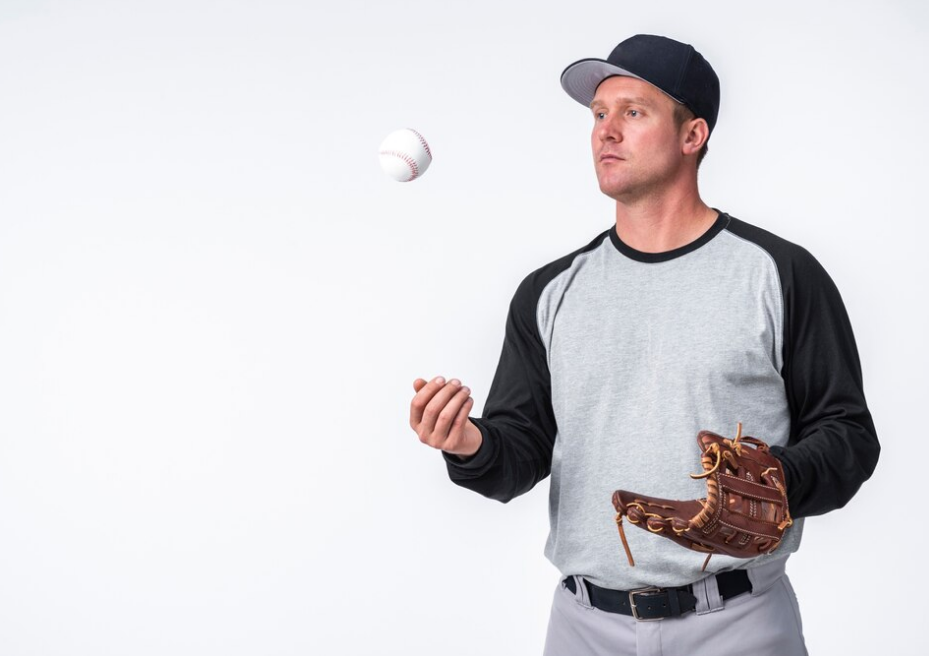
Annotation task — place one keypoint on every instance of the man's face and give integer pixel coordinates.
(635, 140)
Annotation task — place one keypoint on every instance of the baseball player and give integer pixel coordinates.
(638, 359)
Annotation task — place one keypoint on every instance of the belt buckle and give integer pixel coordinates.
(635, 612)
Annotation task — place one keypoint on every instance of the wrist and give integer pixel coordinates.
(471, 442)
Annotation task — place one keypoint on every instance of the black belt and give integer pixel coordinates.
(658, 603)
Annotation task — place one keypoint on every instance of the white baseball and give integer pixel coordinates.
(405, 155)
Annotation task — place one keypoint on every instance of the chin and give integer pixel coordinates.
(613, 189)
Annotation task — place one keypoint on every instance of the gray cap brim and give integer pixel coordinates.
(581, 79)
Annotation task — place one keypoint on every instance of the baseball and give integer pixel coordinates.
(405, 155)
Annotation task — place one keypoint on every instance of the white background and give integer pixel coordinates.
(213, 305)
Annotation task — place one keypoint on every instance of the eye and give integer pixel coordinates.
(599, 115)
(633, 113)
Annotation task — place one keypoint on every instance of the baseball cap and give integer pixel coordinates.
(673, 67)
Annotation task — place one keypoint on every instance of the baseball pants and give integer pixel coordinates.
(763, 622)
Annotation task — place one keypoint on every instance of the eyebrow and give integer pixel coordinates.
(634, 100)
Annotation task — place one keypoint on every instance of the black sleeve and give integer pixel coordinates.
(833, 446)
(518, 423)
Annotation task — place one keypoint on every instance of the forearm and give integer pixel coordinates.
(510, 461)
(826, 468)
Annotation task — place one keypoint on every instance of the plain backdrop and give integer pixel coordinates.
(213, 305)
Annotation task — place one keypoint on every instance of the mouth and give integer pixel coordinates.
(610, 157)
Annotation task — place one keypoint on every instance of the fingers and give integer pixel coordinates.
(424, 393)
(439, 412)
(444, 414)
(456, 441)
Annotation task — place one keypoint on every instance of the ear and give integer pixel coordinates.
(694, 134)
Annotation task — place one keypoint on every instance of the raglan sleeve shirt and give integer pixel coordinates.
(832, 447)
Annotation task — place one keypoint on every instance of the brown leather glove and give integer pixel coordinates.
(745, 510)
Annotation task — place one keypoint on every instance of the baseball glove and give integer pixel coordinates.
(745, 510)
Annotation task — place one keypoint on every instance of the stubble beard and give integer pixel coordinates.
(632, 189)
(637, 185)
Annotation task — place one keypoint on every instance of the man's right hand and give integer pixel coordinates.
(439, 415)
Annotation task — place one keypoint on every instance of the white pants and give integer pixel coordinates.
(764, 622)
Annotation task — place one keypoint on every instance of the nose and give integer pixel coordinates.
(609, 129)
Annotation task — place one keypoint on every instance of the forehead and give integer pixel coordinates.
(623, 88)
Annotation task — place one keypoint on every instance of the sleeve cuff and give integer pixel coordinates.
(479, 460)
(790, 473)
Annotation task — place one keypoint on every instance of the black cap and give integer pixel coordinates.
(671, 66)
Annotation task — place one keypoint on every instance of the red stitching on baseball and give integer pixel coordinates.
(422, 141)
(414, 169)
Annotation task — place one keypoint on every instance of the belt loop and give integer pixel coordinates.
(707, 593)
(674, 603)
(763, 577)
(581, 594)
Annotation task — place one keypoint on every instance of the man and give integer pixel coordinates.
(678, 318)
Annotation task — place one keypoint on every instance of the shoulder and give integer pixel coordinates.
(533, 284)
(793, 262)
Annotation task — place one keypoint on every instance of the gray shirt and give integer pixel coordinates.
(615, 359)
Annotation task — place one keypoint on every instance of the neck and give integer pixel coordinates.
(656, 224)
